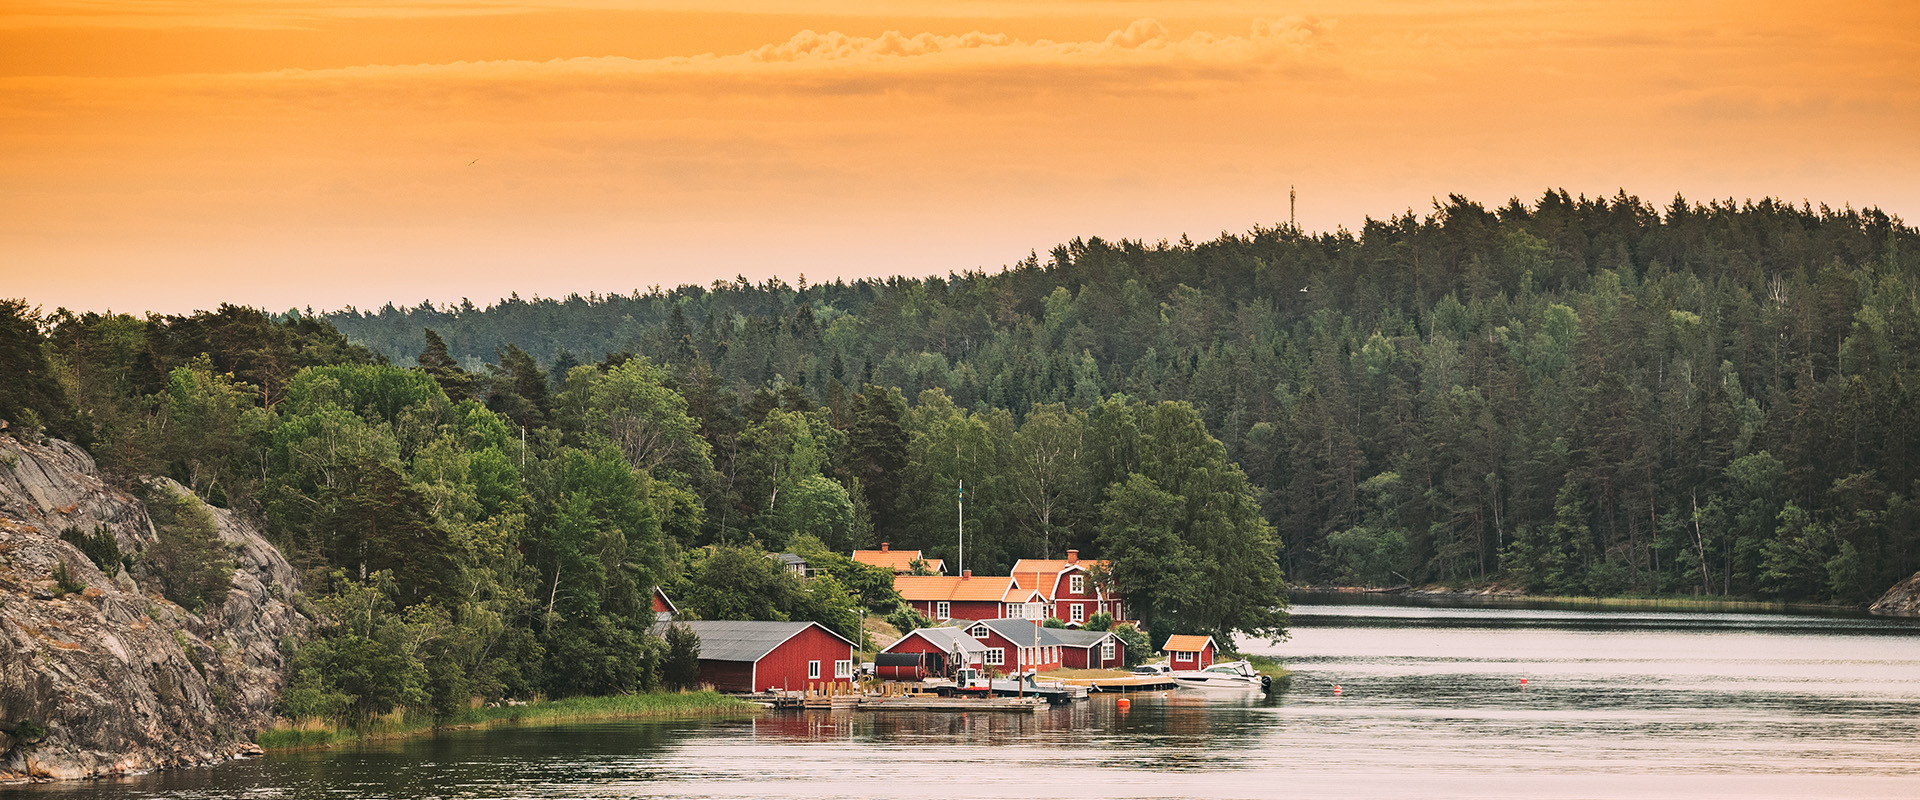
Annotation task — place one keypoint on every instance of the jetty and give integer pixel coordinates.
(1128, 684)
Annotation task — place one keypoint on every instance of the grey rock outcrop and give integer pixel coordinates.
(122, 679)
(1903, 600)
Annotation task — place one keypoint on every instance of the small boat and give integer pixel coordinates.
(1232, 675)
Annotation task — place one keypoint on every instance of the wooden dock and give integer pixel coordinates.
(1129, 684)
(1023, 705)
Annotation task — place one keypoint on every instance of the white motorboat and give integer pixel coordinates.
(1231, 675)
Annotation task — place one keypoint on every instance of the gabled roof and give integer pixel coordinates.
(900, 561)
(1043, 574)
(1073, 638)
(790, 559)
(948, 639)
(664, 599)
(1183, 643)
(979, 588)
(742, 640)
(1018, 631)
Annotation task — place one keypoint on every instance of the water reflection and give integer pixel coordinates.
(1639, 703)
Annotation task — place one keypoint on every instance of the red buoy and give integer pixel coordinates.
(1523, 681)
(1125, 704)
(1337, 690)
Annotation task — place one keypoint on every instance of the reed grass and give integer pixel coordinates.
(308, 734)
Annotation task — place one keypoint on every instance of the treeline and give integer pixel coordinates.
(499, 534)
(1592, 396)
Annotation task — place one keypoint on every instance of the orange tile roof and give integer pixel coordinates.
(986, 588)
(897, 560)
(1042, 574)
(1186, 644)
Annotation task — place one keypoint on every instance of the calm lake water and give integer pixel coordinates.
(1616, 704)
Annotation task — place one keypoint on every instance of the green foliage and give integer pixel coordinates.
(101, 547)
(1138, 649)
(1102, 621)
(1054, 622)
(191, 561)
(64, 582)
(905, 619)
(681, 671)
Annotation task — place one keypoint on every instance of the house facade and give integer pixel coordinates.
(1090, 649)
(953, 648)
(965, 596)
(1069, 589)
(1015, 645)
(1189, 652)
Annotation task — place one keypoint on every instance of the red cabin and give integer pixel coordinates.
(1189, 652)
(940, 598)
(1016, 645)
(1090, 649)
(737, 656)
(928, 653)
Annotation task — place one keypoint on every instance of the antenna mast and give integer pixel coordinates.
(962, 528)
(1291, 219)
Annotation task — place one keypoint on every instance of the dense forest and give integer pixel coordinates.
(1581, 396)
(1591, 396)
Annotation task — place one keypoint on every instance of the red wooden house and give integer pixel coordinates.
(966, 596)
(1189, 652)
(953, 647)
(1090, 649)
(1069, 589)
(1016, 645)
(737, 656)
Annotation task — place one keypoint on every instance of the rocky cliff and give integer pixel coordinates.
(120, 678)
(1903, 600)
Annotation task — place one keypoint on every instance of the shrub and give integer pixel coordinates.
(100, 547)
(1100, 622)
(682, 666)
(67, 583)
(905, 619)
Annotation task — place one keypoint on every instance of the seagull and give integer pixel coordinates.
(476, 161)
(1303, 288)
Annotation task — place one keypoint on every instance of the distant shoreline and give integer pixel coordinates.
(1499, 596)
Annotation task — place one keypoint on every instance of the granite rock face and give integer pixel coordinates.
(122, 679)
(1903, 600)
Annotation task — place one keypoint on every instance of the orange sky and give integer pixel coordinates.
(167, 156)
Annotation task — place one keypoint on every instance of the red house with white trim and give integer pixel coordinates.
(742, 656)
(900, 561)
(1016, 645)
(1069, 589)
(1189, 652)
(1090, 649)
(939, 597)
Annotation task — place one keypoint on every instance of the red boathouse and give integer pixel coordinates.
(738, 656)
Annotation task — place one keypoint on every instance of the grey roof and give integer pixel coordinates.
(1073, 638)
(949, 639)
(736, 640)
(1020, 631)
(789, 558)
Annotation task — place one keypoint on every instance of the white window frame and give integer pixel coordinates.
(1106, 651)
(1008, 610)
(843, 669)
(1182, 655)
(996, 656)
(1077, 584)
(979, 631)
(943, 610)
(813, 670)
(1077, 612)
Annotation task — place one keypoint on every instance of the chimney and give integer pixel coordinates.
(1073, 556)
(966, 574)
(883, 547)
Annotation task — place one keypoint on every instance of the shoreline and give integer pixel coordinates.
(653, 705)
(1497, 596)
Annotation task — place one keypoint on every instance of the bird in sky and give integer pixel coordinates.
(476, 161)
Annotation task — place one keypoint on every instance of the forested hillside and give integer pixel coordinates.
(1575, 396)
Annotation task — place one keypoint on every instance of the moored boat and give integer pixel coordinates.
(1230, 675)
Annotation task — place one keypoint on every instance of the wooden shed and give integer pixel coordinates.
(740, 656)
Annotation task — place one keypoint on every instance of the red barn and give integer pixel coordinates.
(940, 598)
(738, 656)
(1189, 652)
(1090, 649)
(1068, 588)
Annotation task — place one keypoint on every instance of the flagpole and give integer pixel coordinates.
(962, 527)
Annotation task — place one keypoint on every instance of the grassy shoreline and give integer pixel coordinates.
(653, 705)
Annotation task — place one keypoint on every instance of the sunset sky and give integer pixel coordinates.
(168, 156)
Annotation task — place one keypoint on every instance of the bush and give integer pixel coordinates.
(905, 619)
(1053, 622)
(1138, 648)
(100, 547)
(682, 667)
(1102, 621)
(67, 583)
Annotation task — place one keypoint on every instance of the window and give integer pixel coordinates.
(1106, 650)
(1077, 613)
(813, 670)
(943, 610)
(978, 631)
(1010, 611)
(1077, 584)
(1183, 656)
(996, 656)
(843, 669)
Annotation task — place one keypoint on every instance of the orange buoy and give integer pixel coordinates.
(1125, 704)
(1337, 690)
(1523, 681)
